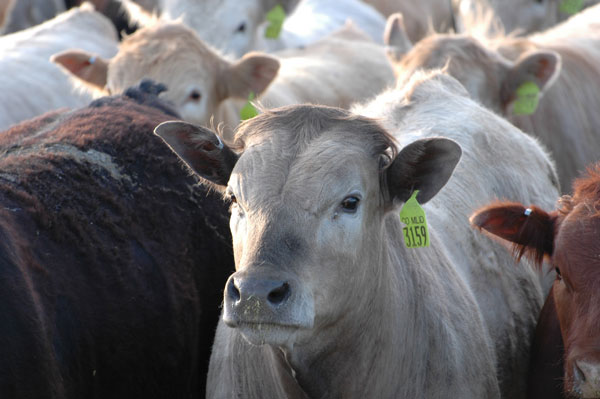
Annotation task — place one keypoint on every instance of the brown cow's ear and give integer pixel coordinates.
(88, 67)
(254, 72)
(200, 149)
(396, 38)
(424, 165)
(539, 67)
(531, 230)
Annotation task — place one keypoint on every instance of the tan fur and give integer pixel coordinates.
(566, 119)
(338, 70)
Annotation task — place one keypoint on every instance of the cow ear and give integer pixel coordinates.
(200, 149)
(396, 38)
(531, 230)
(254, 72)
(539, 67)
(88, 67)
(424, 165)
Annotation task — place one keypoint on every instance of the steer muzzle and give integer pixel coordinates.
(586, 379)
(266, 305)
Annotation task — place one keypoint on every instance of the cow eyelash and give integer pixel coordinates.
(558, 275)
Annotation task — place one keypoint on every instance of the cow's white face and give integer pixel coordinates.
(309, 195)
(300, 237)
(228, 25)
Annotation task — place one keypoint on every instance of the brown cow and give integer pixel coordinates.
(568, 236)
(564, 63)
(112, 258)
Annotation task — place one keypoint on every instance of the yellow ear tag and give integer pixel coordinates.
(248, 111)
(570, 7)
(528, 96)
(275, 17)
(412, 215)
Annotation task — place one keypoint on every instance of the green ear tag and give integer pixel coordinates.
(528, 95)
(412, 215)
(248, 111)
(571, 7)
(275, 17)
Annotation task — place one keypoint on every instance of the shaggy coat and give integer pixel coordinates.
(112, 258)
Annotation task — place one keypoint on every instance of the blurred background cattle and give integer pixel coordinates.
(534, 64)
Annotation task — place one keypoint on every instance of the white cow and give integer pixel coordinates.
(338, 70)
(237, 26)
(30, 83)
(325, 286)
(563, 61)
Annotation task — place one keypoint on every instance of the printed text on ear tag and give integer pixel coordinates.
(412, 215)
(571, 7)
(248, 111)
(275, 18)
(528, 95)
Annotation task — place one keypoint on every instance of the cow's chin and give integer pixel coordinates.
(269, 334)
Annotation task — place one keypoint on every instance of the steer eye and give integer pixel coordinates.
(350, 204)
(558, 274)
(195, 95)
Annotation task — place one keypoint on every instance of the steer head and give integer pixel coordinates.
(309, 193)
(568, 237)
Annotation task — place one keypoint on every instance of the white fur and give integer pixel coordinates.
(30, 83)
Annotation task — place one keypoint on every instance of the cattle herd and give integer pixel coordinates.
(300, 199)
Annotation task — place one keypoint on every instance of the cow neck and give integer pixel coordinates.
(363, 353)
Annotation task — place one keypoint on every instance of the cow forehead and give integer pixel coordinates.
(169, 53)
(577, 248)
(325, 170)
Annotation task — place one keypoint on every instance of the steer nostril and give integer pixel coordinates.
(232, 291)
(578, 374)
(279, 294)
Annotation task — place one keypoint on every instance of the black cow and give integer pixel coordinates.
(112, 257)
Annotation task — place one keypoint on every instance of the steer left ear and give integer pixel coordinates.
(201, 149)
(539, 67)
(531, 230)
(424, 165)
(86, 66)
(254, 72)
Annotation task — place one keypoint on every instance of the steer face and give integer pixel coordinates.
(309, 196)
(576, 291)
(301, 230)
(569, 238)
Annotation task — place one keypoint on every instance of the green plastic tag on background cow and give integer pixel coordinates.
(571, 7)
(528, 96)
(248, 111)
(412, 215)
(275, 17)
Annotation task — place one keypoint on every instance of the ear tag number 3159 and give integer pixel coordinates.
(412, 215)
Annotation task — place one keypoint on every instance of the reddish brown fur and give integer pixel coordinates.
(569, 237)
(110, 279)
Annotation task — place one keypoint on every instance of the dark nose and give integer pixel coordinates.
(271, 292)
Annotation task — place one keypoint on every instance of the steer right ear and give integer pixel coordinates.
(531, 230)
(395, 38)
(424, 165)
(85, 66)
(200, 149)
